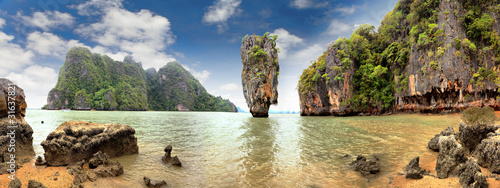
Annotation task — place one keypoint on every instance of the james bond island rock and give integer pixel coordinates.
(259, 76)
(15, 133)
(434, 56)
(74, 141)
(92, 81)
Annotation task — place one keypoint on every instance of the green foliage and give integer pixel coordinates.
(457, 44)
(476, 116)
(434, 65)
(469, 45)
(374, 87)
(44, 107)
(316, 77)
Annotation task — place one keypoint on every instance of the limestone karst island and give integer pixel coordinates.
(128, 93)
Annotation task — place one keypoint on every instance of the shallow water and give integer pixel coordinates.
(236, 150)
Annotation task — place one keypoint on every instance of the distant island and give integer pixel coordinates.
(93, 81)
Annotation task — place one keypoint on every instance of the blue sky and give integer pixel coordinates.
(203, 35)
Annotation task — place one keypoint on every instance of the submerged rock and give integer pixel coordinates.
(434, 142)
(259, 76)
(154, 183)
(366, 167)
(102, 167)
(13, 129)
(472, 176)
(74, 141)
(488, 152)
(167, 158)
(450, 158)
(413, 170)
(176, 161)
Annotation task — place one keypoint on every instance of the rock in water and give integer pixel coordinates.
(260, 72)
(413, 170)
(488, 152)
(74, 141)
(176, 161)
(98, 159)
(103, 167)
(433, 143)
(366, 167)
(154, 183)
(450, 158)
(472, 176)
(168, 152)
(35, 184)
(21, 130)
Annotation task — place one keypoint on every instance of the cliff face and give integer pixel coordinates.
(260, 72)
(427, 56)
(92, 81)
(174, 88)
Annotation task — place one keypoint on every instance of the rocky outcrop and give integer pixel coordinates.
(259, 76)
(488, 152)
(74, 141)
(102, 167)
(472, 176)
(434, 142)
(167, 158)
(154, 183)
(443, 66)
(471, 135)
(40, 162)
(413, 170)
(451, 157)
(15, 133)
(366, 167)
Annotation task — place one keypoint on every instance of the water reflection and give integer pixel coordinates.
(258, 149)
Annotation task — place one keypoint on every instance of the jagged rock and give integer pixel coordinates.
(472, 176)
(433, 143)
(259, 76)
(471, 135)
(102, 167)
(413, 170)
(488, 152)
(366, 167)
(154, 183)
(15, 183)
(167, 157)
(40, 162)
(22, 134)
(450, 158)
(35, 184)
(74, 141)
(78, 173)
(98, 159)
(176, 161)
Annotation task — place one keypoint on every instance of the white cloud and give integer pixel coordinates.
(13, 56)
(285, 41)
(36, 82)
(346, 10)
(49, 44)
(97, 7)
(303, 4)
(266, 13)
(2, 22)
(338, 27)
(220, 12)
(202, 76)
(306, 55)
(229, 87)
(46, 20)
(140, 34)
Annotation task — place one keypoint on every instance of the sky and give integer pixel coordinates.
(203, 35)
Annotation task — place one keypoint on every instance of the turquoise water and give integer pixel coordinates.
(236, 150)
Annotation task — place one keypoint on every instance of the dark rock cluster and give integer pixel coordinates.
(413, 170)
(366, 167)
(154, 183)
(167, 158)
(100, 166)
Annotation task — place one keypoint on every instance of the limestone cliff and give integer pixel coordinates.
(92, 81)
(260, 72)
(427, 56)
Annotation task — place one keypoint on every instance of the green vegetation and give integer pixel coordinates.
(479, 116)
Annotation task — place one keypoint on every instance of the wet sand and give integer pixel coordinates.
(42, 174)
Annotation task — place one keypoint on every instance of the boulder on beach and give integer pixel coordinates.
(74, 141)
(16, 183)
(35, 184)
(471, 175)
(154, 183)
(16, 135)
(433, 143)
(450, 158)
(413, 170)
(488, 152)
(366, 167)
(471, 135)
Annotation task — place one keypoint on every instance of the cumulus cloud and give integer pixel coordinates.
(303, 4)
(46, 20)
(220, 12)
(36, 82)
(338, 27)
(285, 41)
(346, 10)
(229, 87)
(13, 56)
(202, 76)
(45, 43)
(97, 7)
(304, 56)
(142, 34)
